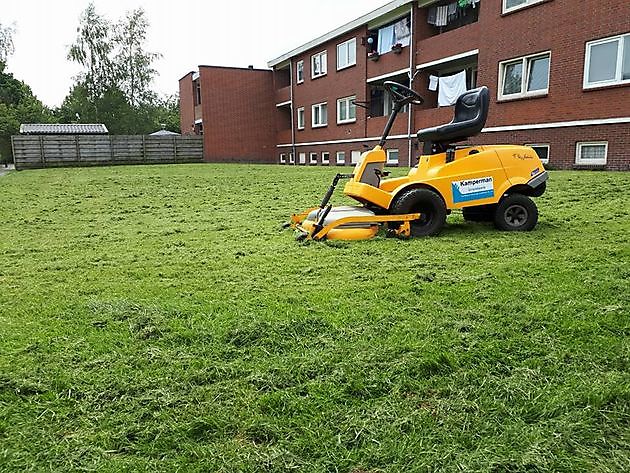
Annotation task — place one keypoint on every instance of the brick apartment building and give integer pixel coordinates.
(558, 73)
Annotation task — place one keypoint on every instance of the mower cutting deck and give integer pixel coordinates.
(488, 183)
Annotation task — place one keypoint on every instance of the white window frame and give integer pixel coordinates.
(526, 64)
(299, 72)
(357, 154)
(348, 101)
(300, 112)
(581, 161)
(283, 158)
(618, 80)
(341, 157)
(291, 158)
(389, 152)
(312, 158)
(526, 3)
(301, 158)
(313, 107)
(325, 157)
(542, 145)
(351, 43)
(323, 64)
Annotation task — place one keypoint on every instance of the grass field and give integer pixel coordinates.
(155, 318)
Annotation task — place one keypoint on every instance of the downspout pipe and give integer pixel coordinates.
(412, 47)
(292, 112)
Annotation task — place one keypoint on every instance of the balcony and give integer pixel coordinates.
(283, 95)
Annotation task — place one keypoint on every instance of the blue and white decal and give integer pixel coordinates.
(472, 189)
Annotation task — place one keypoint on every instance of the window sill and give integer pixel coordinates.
(299, 82)
(345, 122)
(320, 126)
(300, 129)
(522, 7)
(346, 67)
(591, 166)
(616, 85)
(516, 98)
(319, 76)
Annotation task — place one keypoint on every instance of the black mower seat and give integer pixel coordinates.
(471, 112)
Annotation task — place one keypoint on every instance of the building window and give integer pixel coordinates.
(302, 158)
(511, 5)
(346, 110)
(524, 77)
(356, 156)
(197, 92)
(592, 152)
(299, 72)
(392, 36)
(607, 62)
(319, 115)
(347, 54)
(283, 158)
(300, 118)
(542, 151)
(291, 158)
(313, 158)
(392, 156)
(319, 64)
(325, 157)
(341, 157)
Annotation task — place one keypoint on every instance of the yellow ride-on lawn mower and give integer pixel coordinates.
(488, 183)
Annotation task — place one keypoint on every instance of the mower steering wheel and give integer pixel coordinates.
(402, 93)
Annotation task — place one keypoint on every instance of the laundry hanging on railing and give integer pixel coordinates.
(450, 88)
(444, 14)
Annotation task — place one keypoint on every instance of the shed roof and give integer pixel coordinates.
(63, 129)
(163, 133)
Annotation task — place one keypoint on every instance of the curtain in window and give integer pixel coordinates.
(385, 39)
(402, 32)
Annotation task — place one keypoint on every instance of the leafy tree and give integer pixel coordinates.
(17, 102)
(93, 50)
(6, 44)
(135, 71)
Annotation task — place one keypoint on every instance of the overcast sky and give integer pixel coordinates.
(227, 33)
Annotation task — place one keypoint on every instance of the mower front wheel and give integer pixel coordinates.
(516, 213)
(428, 204)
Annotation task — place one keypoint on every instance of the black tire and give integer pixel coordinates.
(479, 213)
(516, 213)
(426, 202)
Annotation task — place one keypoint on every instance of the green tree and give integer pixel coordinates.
(17, 102)
(93, 49)
(135, 71)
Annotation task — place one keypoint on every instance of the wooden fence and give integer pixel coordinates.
(42, 151)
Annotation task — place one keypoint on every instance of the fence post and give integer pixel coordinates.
(41, 150)
(144, 150)
(174, 148)
(111, 150)
(77, 147)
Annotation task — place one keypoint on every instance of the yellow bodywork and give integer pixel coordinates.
(478, 175)
(506, 165)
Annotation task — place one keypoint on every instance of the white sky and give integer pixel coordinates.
(187, 34)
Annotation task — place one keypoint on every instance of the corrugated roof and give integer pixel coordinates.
(163, 133)
(63, 129)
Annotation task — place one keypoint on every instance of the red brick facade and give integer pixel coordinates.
(262, 106)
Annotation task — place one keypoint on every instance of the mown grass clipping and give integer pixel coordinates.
(156, 318)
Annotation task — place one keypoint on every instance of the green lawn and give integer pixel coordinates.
(155, 318)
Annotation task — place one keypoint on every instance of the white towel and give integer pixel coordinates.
(451, 88)
(433, 82)
(442, 16)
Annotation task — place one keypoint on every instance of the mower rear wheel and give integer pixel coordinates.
(426, 202)
(516, 213)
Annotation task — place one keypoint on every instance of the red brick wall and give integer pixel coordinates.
(186, 105)
(335, 85)
(238, 109)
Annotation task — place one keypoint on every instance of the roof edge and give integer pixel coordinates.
(362, 20)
